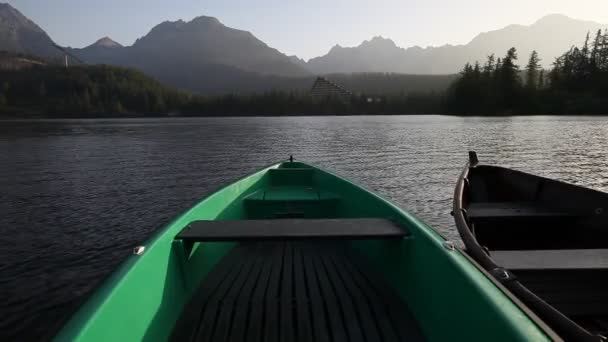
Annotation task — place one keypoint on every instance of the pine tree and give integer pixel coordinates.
(585, 50)
(468, 70)
(509, 82)
(509, 70)
(603, 53)
(477, 70)
(541, 79)
(595, 51)
(532, 70)
(498, 68)
(555, 75)
(490, 65)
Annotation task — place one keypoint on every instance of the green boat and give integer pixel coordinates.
(295, 253)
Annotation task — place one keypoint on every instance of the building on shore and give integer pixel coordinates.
(323, 89)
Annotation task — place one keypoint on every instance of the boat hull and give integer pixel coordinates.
(145, 296)
(542, 239)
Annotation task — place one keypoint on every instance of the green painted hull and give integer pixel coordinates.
(449, 296)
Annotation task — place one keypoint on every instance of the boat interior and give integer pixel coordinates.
(292, 275)
(553, 236)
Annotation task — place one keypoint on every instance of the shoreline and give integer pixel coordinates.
(135, 117)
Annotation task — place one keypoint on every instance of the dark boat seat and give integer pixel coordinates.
(292, 229)
(503, 210)
(560, 259)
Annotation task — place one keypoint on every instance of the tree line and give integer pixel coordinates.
(576, 83)
(108, 91)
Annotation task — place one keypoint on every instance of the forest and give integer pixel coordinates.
(56, 91)
(107, 91)
(576, 84)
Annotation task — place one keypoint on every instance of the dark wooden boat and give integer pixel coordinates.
(545, 240)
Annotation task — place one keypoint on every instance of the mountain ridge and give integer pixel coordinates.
(203, 40)
(447, 59)
(204, 55)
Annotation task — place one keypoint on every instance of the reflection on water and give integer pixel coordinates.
(78, 195)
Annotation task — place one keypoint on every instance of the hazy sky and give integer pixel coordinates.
(305, 28)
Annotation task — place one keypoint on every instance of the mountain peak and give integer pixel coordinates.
(205, 20)
(12, 16)
(379, 41)
(107, 42)
(199, 23)
(552, 19)
(557, 19)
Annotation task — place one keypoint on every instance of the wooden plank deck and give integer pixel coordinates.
(295, 291)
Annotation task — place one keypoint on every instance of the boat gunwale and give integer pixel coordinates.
(528, 301)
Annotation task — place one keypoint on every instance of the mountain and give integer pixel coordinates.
(550, 36)
(18, 34)
(297, 61)
(376, 55)
(202, 55)
(106, 43)
(193, 45)
(205, 40)
(103, 50)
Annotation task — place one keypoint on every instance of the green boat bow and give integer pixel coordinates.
(293, 252)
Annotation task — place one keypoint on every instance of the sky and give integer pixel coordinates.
(303, 28)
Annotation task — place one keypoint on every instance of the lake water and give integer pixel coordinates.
(76, 196)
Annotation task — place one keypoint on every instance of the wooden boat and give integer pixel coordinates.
(545, 240)
(295, 253)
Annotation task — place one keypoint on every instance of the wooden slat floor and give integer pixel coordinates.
(295, 291)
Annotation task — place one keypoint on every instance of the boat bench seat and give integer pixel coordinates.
(292, 229)
(556, 259)
(503, 210)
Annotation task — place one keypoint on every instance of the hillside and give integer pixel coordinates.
(80, 90)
